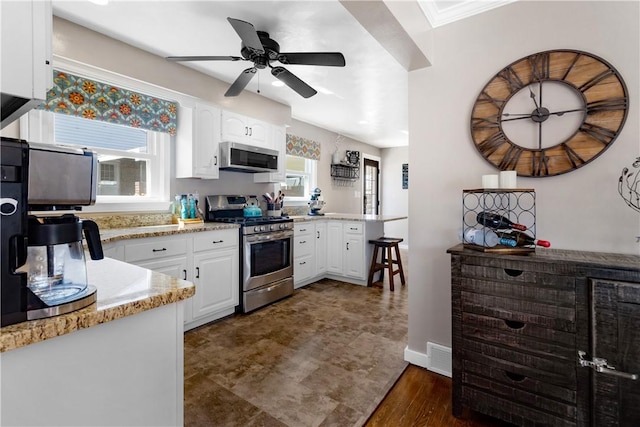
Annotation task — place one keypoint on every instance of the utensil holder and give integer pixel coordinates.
(274, 209)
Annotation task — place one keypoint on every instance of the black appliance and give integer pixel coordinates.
(43, 266)
(266, 251)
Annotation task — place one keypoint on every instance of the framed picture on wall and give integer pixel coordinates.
(405, 176)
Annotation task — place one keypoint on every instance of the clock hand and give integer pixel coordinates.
(528, 116)
(533, 96)
(560, 113)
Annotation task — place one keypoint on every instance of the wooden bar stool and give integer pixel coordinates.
(386, 243)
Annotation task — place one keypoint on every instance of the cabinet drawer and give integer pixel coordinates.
(154, 248)
(518, 273)
(302, 268)
(352, 227)
(215, 240)
(302, 229)
(303, 245)
(506, 409)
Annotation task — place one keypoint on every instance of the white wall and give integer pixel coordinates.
(395, 200)
(579, 210)
(337, 198)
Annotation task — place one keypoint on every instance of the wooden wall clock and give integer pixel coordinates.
(549, 113)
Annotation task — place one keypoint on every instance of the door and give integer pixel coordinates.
(371, 201)
(216, 280)
(616, 338)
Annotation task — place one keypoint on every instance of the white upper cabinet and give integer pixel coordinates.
(279, 143)
(26, 64)
(243, 129)
(197, 142)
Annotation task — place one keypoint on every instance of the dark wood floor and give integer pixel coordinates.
(423, 398)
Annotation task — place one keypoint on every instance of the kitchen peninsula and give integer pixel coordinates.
(116, 362)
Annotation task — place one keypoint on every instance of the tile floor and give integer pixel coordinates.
(324, 357)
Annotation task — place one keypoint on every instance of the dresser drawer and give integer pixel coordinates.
(303, 229)
(519, 336)
(551, 370)
(154, 248)
(215, 240)
(518, 273)
(303, 245)
(549, 307)
(505, 409)
(516, 378)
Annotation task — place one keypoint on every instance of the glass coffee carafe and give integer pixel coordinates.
(56, 267)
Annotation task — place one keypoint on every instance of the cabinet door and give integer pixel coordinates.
(354, 256)
(321, 247)
(335, 251)
(174, 267)
(205, 150)
(616, 338)
(216, 278)
(26, 63)
(278, 142)
(234, 127)
(259, 133)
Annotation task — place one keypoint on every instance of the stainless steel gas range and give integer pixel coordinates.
(266, 251)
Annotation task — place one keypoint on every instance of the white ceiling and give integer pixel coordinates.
(366, 100)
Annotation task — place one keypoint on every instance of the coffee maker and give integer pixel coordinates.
(43, 262)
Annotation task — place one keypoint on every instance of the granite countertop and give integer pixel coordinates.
(348, 217)
(115, 234)
(123, 290)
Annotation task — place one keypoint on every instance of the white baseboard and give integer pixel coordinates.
(437, 358)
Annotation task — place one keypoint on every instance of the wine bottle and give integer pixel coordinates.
(487, 238)
(497, 222)
(523, 239)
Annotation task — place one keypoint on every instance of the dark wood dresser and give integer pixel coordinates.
(550, 338)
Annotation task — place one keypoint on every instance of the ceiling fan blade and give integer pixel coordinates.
(332, 59)
(241, 82)
(204, 58)
(248, 34)
(293, 82)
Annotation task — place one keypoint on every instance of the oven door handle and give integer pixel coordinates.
(265, 237)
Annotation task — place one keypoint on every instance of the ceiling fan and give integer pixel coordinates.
(260, 49)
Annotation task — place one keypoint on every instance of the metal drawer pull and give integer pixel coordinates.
(197, 272)
(303, 262)
(602, 366)
(353, 228)
(515, 377)
(217, 241)
(185, 274)
(159, 250)
(302, 229)
(513, 324)
(303, 241)
(513, 273)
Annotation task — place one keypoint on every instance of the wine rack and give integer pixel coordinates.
(517, 205)
(345, 174)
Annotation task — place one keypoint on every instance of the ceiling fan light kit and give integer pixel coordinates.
(260, 49)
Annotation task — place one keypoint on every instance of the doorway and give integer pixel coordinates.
(371, 193)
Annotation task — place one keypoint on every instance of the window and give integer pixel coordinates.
(300, 179)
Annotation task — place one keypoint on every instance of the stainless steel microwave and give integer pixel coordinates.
(246, 158)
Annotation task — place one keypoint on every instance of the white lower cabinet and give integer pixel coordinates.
(321, 247)
(216, 276)
(209, 259)
(304, 253)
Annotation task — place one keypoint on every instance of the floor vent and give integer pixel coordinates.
(439, 359)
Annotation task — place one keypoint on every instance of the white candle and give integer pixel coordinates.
(490, 181)
(508, 179)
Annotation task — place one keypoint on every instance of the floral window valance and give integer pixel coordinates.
(90, 99)
(303, 147)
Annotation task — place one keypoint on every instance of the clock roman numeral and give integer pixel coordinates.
(610, 104)
(573, 157)
(479, 123)
(539, 163)
(485, 97)
(573, 63)
(511, 77)
(599, 133)
(510, 158)
(540, 66)
(491, 144)
(595, 80)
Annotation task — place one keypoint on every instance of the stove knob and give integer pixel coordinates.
(262, 228)
(283, 226)
(272, 227)
(256, 229)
